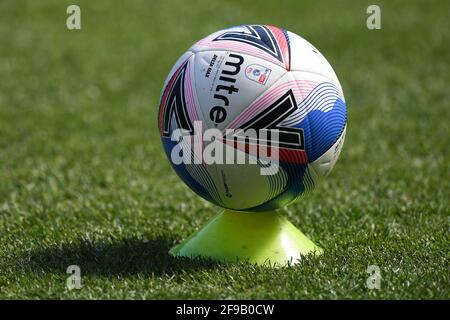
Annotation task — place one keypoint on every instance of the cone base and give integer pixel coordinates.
(264, 238)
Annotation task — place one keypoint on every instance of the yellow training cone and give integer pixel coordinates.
(265, 238)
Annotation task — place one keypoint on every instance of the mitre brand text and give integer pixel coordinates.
(225, 87)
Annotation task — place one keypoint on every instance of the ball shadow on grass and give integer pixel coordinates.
(117, 258)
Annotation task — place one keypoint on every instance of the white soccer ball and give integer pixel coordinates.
(252, 77)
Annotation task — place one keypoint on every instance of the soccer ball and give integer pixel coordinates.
(252, 77)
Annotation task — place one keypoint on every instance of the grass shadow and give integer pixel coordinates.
(122, 257)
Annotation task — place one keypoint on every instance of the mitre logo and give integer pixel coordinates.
(226, 87)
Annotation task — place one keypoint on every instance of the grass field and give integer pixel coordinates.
(84, 180)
